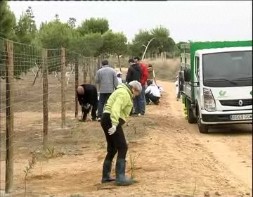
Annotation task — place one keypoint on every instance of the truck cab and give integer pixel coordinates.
(217, 83)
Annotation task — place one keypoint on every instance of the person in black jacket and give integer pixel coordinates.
(134, 72)
(88, 99)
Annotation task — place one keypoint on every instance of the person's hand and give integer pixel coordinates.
(112, 130)
(86, 106)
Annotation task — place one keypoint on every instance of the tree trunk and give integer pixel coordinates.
(119, 63)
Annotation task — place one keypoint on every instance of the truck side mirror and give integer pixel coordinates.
(187, 75)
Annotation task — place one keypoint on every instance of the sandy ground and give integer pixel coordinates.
(166, 155)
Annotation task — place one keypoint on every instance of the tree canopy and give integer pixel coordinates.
(94, 25)
(93, 37)
(26, 28)
(160, 41)
(7, 21)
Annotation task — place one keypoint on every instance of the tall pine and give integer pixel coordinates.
(7, 21)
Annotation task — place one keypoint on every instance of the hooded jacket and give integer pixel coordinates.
(119, 104)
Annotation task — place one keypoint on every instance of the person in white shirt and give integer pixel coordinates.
(152, 93)
(119, 77)
(177, 88)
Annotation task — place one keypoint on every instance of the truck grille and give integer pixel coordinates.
(238, 102)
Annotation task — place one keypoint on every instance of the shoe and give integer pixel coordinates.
(99, 119)
(107, 167)
(94, 119)
(121, 179)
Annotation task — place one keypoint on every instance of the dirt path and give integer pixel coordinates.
(167, 156)
(229, 145)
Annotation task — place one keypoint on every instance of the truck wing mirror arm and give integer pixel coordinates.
(195, 84)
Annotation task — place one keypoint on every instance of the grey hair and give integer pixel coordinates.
(136, 85)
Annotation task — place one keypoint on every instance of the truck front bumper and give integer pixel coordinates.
(231, 117)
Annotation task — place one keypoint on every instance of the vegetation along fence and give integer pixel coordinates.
(37, 98)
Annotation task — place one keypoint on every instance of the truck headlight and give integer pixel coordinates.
(209, 102)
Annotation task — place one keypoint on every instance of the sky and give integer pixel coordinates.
(186, 20)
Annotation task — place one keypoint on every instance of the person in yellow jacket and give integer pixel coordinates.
(116, 111)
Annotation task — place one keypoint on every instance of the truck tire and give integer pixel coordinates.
(190, 115)
(203, 128)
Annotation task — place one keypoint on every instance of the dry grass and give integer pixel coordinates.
(165, 69)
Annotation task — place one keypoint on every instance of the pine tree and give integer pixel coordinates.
(7, 21)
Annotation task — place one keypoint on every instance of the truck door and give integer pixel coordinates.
(197, 78)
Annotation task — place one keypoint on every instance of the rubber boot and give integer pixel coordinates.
(121, 179)
(107, 167)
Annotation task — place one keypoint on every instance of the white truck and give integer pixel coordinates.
(217, 83)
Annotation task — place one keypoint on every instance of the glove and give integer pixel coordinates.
(98, 95)
(112, 130)
(86, 106)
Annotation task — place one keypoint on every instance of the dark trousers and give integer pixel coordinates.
(93, 109)
(139, 102)
(115, 142)
(151, 97)
(142, 100)
(103, 97)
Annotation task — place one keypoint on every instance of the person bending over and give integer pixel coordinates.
(152, 93)
(88, 100)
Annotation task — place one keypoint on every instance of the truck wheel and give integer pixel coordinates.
(190, 116)
(202, 127)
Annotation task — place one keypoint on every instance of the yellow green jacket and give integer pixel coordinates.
(119, 104)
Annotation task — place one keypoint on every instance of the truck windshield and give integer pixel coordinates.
(227, 69)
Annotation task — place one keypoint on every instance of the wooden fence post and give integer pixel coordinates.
(63, 84)
(45, 98)
(85, 69)
(90, 70)
(9, 117)
(76, 85)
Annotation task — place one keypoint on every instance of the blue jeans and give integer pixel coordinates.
(103, 97)
(140, 103)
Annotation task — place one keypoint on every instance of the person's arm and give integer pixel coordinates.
(80, 100)
(97, 78)
(145, 73)
(148, 89)
(129, 74)
(115, 80)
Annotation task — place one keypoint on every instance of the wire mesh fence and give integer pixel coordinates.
(37, 98)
